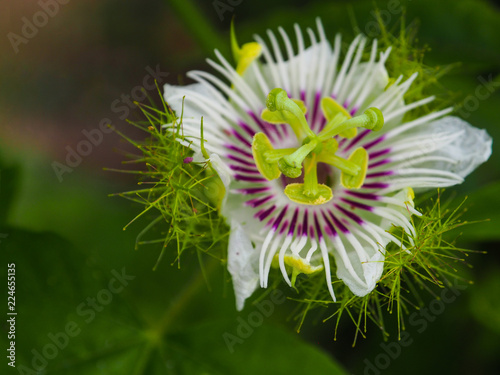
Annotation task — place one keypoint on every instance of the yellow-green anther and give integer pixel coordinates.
(360, 158)
(371, 119)
(295, 192)
(245, 55)
(260, 146)
(287, 170)
(278, 100)
(283, 117)
(273, 156)
(333, 110)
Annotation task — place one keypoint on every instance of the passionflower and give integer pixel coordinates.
(316, 160)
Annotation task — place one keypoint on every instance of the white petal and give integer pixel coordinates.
(373, 270)
(222, 169)
(349, 268)
(173, 96)
(224, 174)
(452, 146)
(469, 150)
(375, 81)
(198, 102)
(242, 262)
(360, 276)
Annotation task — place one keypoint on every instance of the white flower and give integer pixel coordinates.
(355, 184)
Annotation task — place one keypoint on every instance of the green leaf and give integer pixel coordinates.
(268, 349)
(9, 179)
(75, 318)
(483, 205)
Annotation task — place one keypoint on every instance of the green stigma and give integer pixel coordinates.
(314, 148)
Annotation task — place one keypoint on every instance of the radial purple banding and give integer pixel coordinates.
(379, 163)
(357, 204)
(330, 229)
(373, 143)
(311, 231)
(337, 223)
(283, 227)
(305, 223)
(246, 128)
(375, 185)
(350, 215)
(284, 129)
(357, 139)
(318, 228)
(376, 154)
(239, 150)
(317, 98)
(256, 202)
(241, 138)
(265, 127)
(293, 223)
(322, 123)
(240, 160)
(263, 214)
(357, 194)
(277, 222)
(379, 174)
(249, 178)
(254, 190)
(237, 168)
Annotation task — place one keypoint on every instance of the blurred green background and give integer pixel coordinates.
(76, 316)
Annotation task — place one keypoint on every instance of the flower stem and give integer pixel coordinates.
(183, 299)
(196, 22)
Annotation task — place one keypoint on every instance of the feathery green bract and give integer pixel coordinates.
(173, 190)
(428, 262)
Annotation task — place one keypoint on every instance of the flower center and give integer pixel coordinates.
(314, 149)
